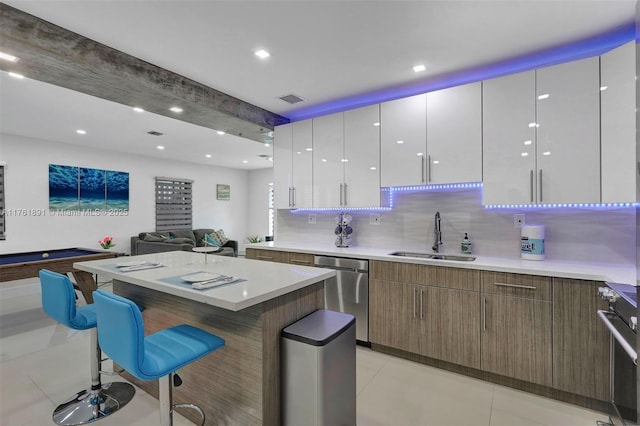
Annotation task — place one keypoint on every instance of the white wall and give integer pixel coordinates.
(27, 187)
(259, 203)
(589, 235)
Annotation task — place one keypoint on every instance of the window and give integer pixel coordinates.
(2, 206)
(271, 210)
(173, 204)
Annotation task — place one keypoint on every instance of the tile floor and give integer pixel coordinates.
(42, 362)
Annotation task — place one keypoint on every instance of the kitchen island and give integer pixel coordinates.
(239, 384)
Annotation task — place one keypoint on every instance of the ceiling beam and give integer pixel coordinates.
(58, 56)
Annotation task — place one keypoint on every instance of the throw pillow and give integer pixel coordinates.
(184, 233)
(210, 240)
(220, 237)
(154, 238)
(180, 241)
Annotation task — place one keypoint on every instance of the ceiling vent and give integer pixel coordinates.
(292, 99)
(154, 133)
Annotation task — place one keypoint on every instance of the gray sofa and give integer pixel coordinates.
(174, 240)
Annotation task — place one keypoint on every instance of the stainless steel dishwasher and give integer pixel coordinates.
(348, 292)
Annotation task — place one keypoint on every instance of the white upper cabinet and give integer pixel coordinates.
(346, 159)
(541, 142)
(292, 164)
(328, 161)
(509, 134)
(362, 155)
(282, 167)
(618, 132)
(454, 135)
(403, 141)
(568, 132)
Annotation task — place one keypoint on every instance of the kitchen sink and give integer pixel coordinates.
(434, 256)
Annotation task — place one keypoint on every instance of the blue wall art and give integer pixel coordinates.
(117, 190)
(90, 190)
(63, 187)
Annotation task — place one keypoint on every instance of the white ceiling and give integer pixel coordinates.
(323, 51)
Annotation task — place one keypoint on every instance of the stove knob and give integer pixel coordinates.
(633, 323)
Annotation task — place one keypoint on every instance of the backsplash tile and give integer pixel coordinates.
(589, 235)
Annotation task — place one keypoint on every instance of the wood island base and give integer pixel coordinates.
(240, 383)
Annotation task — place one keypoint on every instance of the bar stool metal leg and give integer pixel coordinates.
(99, 400)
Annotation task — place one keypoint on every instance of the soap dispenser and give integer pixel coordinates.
(465, 245)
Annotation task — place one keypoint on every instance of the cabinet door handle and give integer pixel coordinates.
(484, 313)
(526, 287)
(290, 197)
(301, 261)
(341, 191)
(540, 185)
(422, 178)
(421, 304)
(264, 257)
(345, 194)
(415, 291)
(428, 169)
(531, 185)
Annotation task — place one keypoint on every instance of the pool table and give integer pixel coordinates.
(16, 266)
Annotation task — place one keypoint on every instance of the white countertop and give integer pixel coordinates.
(563, 269)
(263, 280)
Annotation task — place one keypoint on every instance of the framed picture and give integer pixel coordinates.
(223, 192)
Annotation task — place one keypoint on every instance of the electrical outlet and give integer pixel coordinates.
(518, 220)
(374, 219)
(312, 219)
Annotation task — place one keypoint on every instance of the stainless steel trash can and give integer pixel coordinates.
(319, 370)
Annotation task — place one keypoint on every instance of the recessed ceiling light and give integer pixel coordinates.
(603, 88)
(8, 57)
(267, 145)
(372, 168)
(543, 96)
(220, 132)
(262, 54)
(308, 149)
(245, 161)
(81, 132)
(138, 109)
(16, 75)
(176, 109)
(208, 155)
(419, 68)
(160, 147)
(400, 142)
(376, 124)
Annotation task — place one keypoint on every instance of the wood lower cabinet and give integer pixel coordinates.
(516, 338)
(429, 320)
(580, 339)
(303, 259)
(517, 326)
(268, 255)
(392, 315)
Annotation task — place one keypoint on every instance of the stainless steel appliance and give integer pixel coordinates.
(622, 322)
(349, 291)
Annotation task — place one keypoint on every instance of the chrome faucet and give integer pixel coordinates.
(437, 232)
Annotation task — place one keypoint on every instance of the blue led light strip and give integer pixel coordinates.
(341, 209)
(556, 206)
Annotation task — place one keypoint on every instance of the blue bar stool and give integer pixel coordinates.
(157, 356)
(100, 400)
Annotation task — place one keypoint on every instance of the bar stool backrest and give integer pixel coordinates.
(121, 331)
(59, 301)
